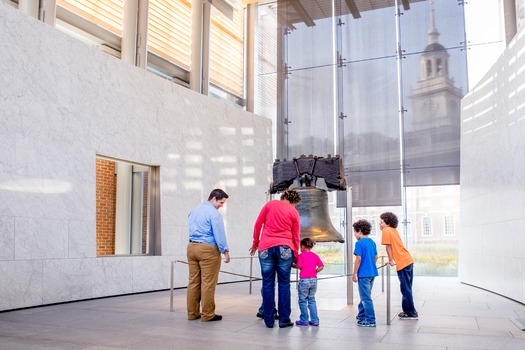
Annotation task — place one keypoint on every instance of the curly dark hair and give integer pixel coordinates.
(291, 196)
(390, 219)
(362, 226)
(308, 242)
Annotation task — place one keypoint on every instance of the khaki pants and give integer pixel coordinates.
(204, 261)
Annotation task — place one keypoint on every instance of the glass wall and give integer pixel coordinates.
(380, 86)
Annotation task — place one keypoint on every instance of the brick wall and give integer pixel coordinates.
(106, 202)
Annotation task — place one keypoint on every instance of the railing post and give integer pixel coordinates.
(349, 244)
(388, 294)
(383, 274)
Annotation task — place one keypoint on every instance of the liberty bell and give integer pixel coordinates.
(315, 220)
(313, 207)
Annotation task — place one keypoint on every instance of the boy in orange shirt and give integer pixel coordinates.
(401, 258)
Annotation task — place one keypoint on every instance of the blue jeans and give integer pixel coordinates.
(306, 292)
(366, 306)
(261, 308)
(276, 260)
(406, 277)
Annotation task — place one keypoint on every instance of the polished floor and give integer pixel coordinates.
(451, 316)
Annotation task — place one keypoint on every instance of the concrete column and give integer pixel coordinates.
(29, 7)
(251, 24)
(129, 32)
(206, 24)
(282, 121)
(509, 18)
(48, 11)
(196, 46)
(142, 34)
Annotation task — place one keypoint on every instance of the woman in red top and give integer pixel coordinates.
(276, 234)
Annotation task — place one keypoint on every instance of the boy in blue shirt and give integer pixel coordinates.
(365, 270)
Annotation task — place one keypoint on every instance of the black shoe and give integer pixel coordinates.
(285, 325)
(269, 326)
(215, 318)
(275, 315)
(405, 316)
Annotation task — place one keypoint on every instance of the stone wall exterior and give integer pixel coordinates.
(492, 208)
(62, 104)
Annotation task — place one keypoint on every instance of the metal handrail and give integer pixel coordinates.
(383, 264)
(251, 279)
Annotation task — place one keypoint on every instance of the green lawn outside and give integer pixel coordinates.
(430, 259)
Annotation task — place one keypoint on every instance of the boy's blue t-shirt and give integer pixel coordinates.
(366, 248)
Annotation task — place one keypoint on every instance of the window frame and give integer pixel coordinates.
(152, 211)
(426, 226)
(449, 227)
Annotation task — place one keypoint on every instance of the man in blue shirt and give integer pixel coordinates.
(207, 242)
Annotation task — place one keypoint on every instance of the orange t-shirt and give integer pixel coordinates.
(399, 253)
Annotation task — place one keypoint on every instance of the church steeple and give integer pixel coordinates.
(434, 61)
(435, 99)
(433, 128)
(433, 34)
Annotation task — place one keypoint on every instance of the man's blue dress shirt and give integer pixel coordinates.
(206, 226)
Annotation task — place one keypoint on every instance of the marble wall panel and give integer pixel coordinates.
(468, 218)
(492, 188)
(497, 238)
(513, 285)
(241, 267)
(180, 274)
(518, 239)
(8, 188)
(471, 239)
(66, 280)
(150, 273)
(515, 209)
(7, 238)
(40, 238)
(174, 240)
(21, 284)
(82, 243)
(468, 273)
(63, 106)
(37, 182)
(522, 280)
(112, 276)
(180, 271)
